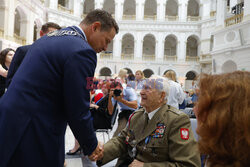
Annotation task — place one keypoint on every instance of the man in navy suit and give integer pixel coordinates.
(50, 90)
(21, 51)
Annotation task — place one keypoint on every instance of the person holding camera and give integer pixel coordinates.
(126, 99)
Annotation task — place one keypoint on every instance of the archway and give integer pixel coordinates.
(229, 66)
(105, 71)
(148, 73)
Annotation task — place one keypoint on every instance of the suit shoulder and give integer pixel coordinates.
(23, 48)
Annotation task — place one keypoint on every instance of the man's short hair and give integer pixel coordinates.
(46, 26)
(161, 84)
(105, 18)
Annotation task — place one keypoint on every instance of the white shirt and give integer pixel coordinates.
(151, 114)
(176, 94)
(82, 32)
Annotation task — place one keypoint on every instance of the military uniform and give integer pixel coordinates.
(167, 140)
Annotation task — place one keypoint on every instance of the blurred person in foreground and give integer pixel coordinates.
(50, 90)
(223, 115)
(21, 51)
(156, 135)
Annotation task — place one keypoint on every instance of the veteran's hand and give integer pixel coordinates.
(136, 163)
(98, 153)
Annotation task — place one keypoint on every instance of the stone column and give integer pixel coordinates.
(99, 4)
(182, 10)
(160, 10)
(221, 13)
(205, 10)
(182, 44)
(77, 5)
(53, 4)
(159, 54)
(3, 15)
(118, 10)
(140, 9)
(246, 10)
(9, 21)
(29, 29)
(138, 46)
(233, 3)
(117, 47)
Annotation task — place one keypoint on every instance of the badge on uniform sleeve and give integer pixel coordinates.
(184, 133)
(159, 131)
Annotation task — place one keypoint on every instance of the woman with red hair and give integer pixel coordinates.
(223, 115)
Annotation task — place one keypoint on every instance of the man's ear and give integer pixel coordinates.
(163, 94)
(96, 26)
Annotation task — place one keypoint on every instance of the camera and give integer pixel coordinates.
(117, 92)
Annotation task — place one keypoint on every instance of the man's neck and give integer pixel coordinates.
(152, 108)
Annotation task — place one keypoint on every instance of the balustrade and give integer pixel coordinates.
(64, 9)
(234, 20)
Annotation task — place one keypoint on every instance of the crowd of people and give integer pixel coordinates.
(46, 87)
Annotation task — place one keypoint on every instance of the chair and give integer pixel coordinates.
(194, 127)
(113, 119)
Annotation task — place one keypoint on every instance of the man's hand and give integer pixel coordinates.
(118, 98)
(136, 163)
(98, 153)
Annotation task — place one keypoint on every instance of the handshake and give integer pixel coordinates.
(98, 153)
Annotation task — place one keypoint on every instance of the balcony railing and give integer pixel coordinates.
(170, 58)
(193, 18)
(106, 55)
(64, 9)
(19, 40)
(148, 57)
(127, 56)
(206, 58)
(234, 20)
(150, 17)
(192, 58)
(128, 17)
(1, 33)
(172, 18)
(213, 13)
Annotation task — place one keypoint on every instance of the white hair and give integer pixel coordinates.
(161, 84)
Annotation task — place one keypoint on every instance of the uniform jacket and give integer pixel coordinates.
(48, 91)
(171, 141)
(15, 63)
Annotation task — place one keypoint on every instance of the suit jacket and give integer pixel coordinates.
(15, 63)
(167, 140)
(48, 91)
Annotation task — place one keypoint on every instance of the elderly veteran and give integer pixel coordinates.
(156, 135)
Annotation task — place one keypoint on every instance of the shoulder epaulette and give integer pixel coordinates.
(174, 110)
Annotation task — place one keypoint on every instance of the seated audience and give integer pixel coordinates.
(176, 94)
(223, 115)
(100, 114)
(126, 99)
(99, 111)
(156, 135)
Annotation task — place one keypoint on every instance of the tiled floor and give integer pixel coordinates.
(80, 160)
